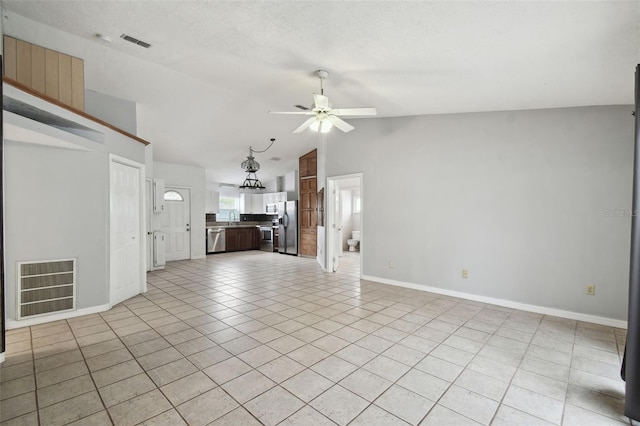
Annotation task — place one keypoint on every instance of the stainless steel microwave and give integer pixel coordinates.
(272, 208)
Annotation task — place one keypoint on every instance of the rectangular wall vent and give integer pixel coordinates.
(46, 287)
(136, 41)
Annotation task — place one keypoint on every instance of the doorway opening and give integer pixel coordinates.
(344, 213)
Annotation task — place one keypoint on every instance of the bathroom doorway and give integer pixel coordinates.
(344, 213)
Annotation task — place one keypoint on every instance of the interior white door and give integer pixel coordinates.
(337, 226)
(149, 236)
(125, 219)
(176, 223)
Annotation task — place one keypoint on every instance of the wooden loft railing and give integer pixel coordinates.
(83, 114)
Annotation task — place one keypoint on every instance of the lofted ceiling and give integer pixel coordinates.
(216, 68)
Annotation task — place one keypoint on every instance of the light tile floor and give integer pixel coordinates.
(258, 338)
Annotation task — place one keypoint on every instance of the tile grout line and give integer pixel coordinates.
(232, 294)
(501, 402)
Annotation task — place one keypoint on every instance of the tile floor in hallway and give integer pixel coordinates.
(255, 338)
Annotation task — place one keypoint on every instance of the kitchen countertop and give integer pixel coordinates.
(232, 226)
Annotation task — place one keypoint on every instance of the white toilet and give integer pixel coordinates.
(354, 242)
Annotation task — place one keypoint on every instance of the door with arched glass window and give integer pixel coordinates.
(176, 223)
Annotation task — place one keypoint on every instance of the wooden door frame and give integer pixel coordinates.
(143, 228)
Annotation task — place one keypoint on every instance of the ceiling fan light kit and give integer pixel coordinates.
(322, 126)
(324, 117)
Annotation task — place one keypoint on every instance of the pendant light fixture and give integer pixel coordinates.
(251, 166)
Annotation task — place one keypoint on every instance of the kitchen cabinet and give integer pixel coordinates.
(275, 238)
(246, 205)
(242, 238)
(251, 203)
(272, 198)
(257, 203)
(212, 201)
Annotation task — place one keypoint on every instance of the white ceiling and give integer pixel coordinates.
(216, 68)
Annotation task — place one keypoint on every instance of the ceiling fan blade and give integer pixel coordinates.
(321, 101)
(293, 112)
(340, 123)
(304, 125)
(302, 107)
(354, 111)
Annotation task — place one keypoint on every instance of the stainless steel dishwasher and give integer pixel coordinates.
(215, 239)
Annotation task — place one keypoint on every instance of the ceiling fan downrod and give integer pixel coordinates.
(322, 74)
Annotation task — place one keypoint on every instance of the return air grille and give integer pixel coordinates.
(135, 41)
(46, 287)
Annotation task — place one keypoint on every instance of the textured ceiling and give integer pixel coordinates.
(216, 68)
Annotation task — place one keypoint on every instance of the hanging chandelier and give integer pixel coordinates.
(251, 166)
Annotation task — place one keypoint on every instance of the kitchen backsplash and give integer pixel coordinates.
(257, 217)
(211, 217)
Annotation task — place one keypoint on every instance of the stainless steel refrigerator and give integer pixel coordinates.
(288, 227)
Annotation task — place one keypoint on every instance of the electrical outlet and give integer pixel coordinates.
(591, 290)
(391, 265)
(465, 273)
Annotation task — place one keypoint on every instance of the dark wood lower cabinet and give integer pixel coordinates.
(237, 239)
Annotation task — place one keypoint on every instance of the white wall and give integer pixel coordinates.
(520, 199)
(56, 207)
(115, 111)
(194, 178)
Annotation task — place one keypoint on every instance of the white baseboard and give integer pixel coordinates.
(203, 256)
(506, 303)
(1, 357)
(11, 324)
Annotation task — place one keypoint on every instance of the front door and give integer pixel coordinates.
(176, 223)
(125, 220)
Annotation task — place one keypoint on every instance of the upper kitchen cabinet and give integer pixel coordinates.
(257, 203)
(212, 201)
(245, 203)
(251, 203)
(51, 73)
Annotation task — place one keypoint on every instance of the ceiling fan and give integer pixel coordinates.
(325, 117)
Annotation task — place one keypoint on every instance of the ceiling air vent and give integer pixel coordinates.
(136, 41)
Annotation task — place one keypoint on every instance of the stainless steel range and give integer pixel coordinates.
(266, 238)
